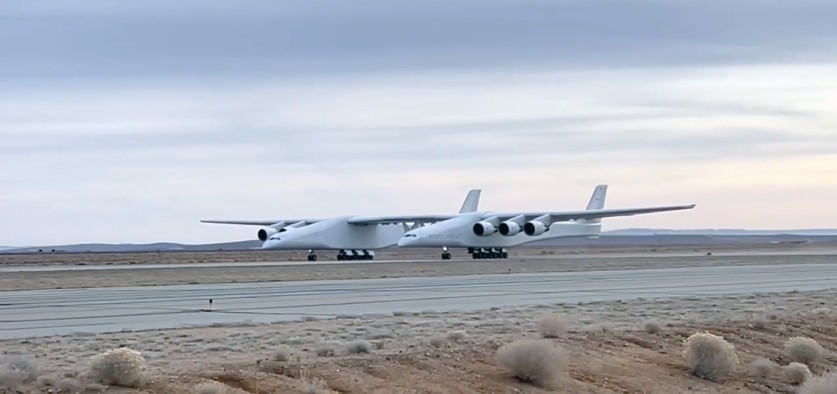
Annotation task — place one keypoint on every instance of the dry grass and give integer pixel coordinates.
(710, 356)
(797, 373)
(359, 346)
(16, 370)
(652, 327)
(437, 341)
(803, 350)
(763, 367)
(121, 367)
(539, 362)
(825, 384)
(552, 326)
(457, 336)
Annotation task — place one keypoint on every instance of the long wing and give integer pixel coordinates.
(587, 214)
(259, 222)
(400, 219)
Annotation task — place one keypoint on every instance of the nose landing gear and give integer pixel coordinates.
(445, 253)
(312, 256)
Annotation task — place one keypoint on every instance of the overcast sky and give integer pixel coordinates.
(131, 121)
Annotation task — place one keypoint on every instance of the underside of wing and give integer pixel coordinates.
(586, 214)
(256, 222)
(399, 219)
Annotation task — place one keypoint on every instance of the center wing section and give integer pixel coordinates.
(264, 223)
(425, 219)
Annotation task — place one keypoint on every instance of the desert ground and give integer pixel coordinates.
(629, 346)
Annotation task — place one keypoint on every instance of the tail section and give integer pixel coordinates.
(597, 200)
(472, 201)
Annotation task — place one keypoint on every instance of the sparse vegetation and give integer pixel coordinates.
(803, 350)
(283, 353)
(652, 327)
(315, 386)
(121, 367)
(763, 367)
(16, 370)
(456, 336)
(709, 356)
(325, 350)
(539, 362)
(210, 388)
(825, 384)
(797, 373)
(438, 341)
(359, 346)
(552, 326)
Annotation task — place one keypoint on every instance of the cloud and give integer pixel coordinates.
(132, 123)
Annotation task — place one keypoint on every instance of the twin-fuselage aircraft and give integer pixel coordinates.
(486, 235)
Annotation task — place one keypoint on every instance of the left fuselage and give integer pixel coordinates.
(336, 234)
(458, 232)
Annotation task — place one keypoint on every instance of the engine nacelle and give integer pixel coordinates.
(509, 229)
(534, 228)
(266, 233)
(484, 229)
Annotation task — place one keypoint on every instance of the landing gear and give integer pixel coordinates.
(355, 255)
(445, 253)
(312, 256)
(488, 253)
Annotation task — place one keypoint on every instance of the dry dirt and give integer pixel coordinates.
(229, 273)
(610, 351)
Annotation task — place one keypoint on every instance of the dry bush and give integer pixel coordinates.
(121, 367)
(210, 388)
(283, 353)
(652, 327)
(552, 326)
(325, 350)
(709, 356)
(456, 336)
(16, 370)
(797, 373)
(315, 386)
(359, 346)
(437, 341)
(758, 321)
(539, 362)
(825, 384)
(803, 350)
(763, 367)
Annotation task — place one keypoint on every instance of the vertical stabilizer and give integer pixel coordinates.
(472, 201)
(597, 200)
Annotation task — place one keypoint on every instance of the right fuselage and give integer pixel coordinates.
(459, 232)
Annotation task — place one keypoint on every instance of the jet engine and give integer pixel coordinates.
(509, 229)
(266, 233)
(534, 228)
(484, 229)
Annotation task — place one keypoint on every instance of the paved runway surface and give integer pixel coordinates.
(49, 312)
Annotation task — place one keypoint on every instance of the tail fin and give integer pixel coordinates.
(472, 201)
(597, 200)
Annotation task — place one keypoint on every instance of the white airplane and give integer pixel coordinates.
(487, 234)
(354, 237)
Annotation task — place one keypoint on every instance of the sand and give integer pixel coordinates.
(609, 348)
(229, 273)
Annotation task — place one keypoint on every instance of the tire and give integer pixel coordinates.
(505, 255)
(313, 257)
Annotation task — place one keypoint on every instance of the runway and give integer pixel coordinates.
(57, 312)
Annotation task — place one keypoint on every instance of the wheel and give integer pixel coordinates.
(339, 257)
(505, 255)
(475, 256)
(309, 257)
(313, 257)
(445, 256)
(483, 255)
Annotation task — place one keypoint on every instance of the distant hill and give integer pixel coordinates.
(122, 248)
(646, 231)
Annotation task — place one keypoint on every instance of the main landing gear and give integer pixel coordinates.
(312, 256)
(488, 253)
(355, 255)
(445, 253)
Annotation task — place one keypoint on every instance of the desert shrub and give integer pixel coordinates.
(539, 362)
(825, 384)
(652, 327)
(210, 388)
(758, 321)
(70, 385)
(359, 346)
(803, 350)
(552, 326)
(16, 370)
(283, 353)
(325, 350)
(709, 356)
(121, 367)
(797, 373)
(437, 341)
(456, 336)
(313, 386)
(763, 367)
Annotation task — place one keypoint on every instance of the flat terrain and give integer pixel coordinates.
(610, 350)
(15, 277)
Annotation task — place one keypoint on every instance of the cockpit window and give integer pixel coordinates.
(410, 236)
